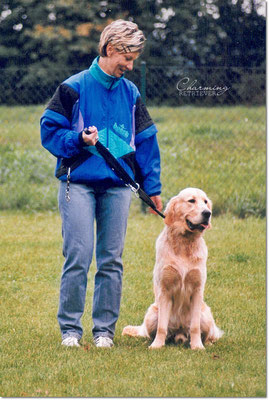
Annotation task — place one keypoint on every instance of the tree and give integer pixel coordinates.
(59, 32)
(212, 33)
(45, 41)
(181, 32)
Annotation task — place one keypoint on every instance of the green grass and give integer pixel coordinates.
(220, 150)
(33, 363)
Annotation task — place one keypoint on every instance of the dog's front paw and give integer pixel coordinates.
(197, 345)
(156, 344)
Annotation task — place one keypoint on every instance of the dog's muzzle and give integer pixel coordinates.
(203, 224)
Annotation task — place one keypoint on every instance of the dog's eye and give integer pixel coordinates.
(205, 201)
(191, 201)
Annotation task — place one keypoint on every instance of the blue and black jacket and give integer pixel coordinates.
(124, 125)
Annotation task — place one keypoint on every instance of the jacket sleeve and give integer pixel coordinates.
(147, 151)
(57, 135)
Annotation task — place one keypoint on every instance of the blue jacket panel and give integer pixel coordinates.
(124, 126)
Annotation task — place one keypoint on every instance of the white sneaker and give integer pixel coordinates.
(71, 341)
(103, 341)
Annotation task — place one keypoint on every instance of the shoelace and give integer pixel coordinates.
(71, 341)
(103, 341)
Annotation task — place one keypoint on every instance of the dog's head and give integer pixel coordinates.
(189, 211)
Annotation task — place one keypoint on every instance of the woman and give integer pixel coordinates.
(89, 189)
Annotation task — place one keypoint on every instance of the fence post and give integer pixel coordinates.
(143, 67)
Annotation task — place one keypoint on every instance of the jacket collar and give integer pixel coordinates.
(108, 81)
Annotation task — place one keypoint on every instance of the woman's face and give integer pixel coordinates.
(118, 63)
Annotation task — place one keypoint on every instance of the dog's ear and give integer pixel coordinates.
(170, 212)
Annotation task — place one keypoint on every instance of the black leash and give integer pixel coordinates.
(122, 174)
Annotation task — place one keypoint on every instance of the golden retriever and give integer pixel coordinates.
(179, 311)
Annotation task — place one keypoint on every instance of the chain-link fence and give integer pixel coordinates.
(211, 124)
(201, 86)
(167, 85)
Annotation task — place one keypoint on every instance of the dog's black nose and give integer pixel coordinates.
(206, 214)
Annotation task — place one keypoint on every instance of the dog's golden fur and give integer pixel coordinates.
(179, 311)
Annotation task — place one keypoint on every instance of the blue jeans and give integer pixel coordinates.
(110, 208)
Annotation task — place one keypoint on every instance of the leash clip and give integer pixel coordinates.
(133, 189)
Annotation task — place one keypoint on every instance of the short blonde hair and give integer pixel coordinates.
(124, 36)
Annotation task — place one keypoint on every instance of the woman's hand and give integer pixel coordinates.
(158, 203)
(92, 138)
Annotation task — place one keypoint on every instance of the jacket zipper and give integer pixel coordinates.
(107, 121)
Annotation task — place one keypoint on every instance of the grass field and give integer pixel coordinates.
(223, 152)
(33, 363)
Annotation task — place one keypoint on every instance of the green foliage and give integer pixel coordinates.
(43, 42)
(183, 32)
(34, 364)
(49, 32)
